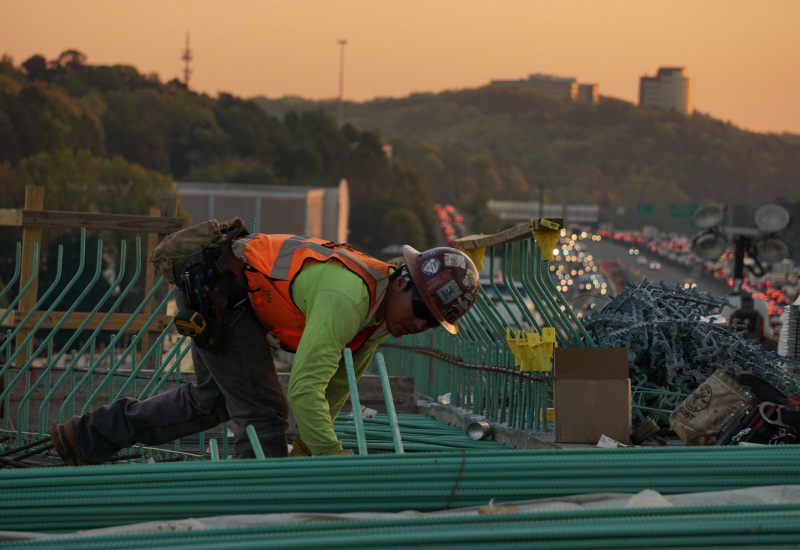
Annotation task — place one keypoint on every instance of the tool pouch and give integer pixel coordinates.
(207, 273)
(711, 410)
(186, 242)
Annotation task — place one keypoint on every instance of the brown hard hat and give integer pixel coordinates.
(446, 280)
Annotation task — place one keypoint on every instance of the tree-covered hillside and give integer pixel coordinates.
(517, 144)
(109, 139)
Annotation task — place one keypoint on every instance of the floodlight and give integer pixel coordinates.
(771, 218)
(710, 246)
(707, 216)
(771, 249)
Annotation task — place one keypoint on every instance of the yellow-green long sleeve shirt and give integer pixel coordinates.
(335, 302)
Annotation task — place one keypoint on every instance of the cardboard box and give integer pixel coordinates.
(591, 394)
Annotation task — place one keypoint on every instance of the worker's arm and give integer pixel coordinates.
(336, 302)
(338, 387)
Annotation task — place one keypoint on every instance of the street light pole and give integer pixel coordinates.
(740, 244)
(541, 199)
(341, 82)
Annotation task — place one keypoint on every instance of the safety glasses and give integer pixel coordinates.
(419, 308)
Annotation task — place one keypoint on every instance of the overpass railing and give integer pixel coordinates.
(499, 364)
(56, 361)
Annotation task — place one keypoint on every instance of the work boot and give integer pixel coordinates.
(299, 449)
(65, 443)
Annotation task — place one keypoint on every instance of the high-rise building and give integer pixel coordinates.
(670, 89)
(554, 85)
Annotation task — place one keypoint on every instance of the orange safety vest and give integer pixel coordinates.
(273, 261)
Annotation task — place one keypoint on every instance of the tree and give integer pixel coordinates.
(401, 226)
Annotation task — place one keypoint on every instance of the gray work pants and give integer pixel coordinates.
(239, 383)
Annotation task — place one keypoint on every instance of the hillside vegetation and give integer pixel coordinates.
(109, 139)
(510, 144)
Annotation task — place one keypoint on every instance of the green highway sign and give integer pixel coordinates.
(682, 210)
(644, 210)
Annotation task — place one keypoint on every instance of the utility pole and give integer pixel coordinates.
(341, 81)
(541, 198)
(187, 57)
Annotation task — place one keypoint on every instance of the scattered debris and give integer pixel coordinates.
(672, 349)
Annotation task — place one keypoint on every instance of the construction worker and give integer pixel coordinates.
(316, 298)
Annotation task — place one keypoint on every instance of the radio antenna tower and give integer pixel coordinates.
(187, 57)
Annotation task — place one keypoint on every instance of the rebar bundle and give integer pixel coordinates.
(52, 500)
(744, 526)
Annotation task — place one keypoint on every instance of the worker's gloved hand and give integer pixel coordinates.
(343, 452)
(299, 448)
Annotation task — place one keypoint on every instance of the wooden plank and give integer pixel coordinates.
(149, 269)
(11, 217)
(34, 198)
(516, 233)
(115, 322)
(31, 217)
(169, 209)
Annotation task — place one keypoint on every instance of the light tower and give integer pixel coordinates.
(341, 81)
(187, 57)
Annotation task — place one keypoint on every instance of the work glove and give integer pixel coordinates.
(343, 452)
(299, 449)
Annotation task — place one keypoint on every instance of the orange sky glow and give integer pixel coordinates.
(743, 56)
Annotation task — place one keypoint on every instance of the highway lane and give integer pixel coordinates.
(637, 267)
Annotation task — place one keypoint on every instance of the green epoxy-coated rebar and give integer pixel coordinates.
(23, 405)
(390, 412)
(549, 292)
(508, 278)
(50, 499)
(70, 398)
(354, 400)
(254, 442)
(768, 525)
(213, 449)
(529, 284)
(24, 290)
(431, 479)
(13, 281)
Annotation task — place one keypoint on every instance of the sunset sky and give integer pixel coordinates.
(743, 56)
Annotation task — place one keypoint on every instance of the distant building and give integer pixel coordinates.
(670, 89)
(553, 85)
(322, 212)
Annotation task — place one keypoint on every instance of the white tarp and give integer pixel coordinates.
(778, 494)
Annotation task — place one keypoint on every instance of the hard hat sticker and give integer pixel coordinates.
(456, 309)
(430, 267)
(469, 279)
(449, 292)
(454, 260)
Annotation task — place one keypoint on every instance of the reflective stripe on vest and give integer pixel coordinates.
(272, 262)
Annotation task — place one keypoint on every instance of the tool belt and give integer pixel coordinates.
(767, 424)
(210, 277)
